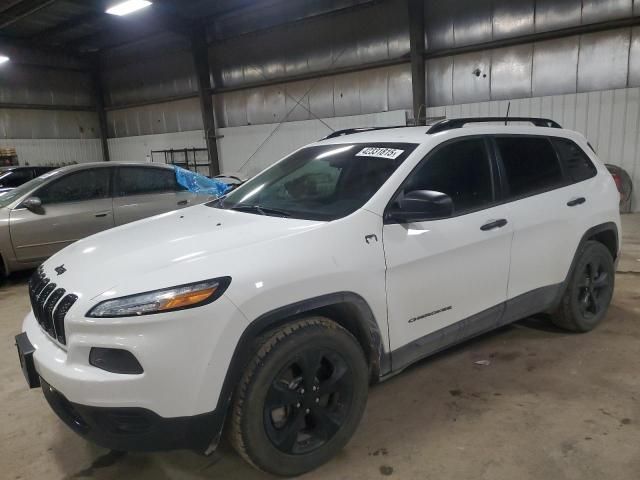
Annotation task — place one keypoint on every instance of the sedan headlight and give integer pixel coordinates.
(161, 301)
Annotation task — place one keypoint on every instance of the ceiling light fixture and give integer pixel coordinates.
(4, 59)
(130, 6)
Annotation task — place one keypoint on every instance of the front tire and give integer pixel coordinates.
(588, 295)
(301, 397)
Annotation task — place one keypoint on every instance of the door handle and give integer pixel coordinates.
(576, 201)
(102, 215)
(183, 202)
(492, 225)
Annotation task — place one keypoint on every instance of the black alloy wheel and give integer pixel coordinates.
(301, 397)
(595, 289)
(308, 401)
(589, 290)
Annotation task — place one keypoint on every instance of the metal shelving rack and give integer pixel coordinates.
(193, 159)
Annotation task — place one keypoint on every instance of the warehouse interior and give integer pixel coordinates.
(239, 84)
(256, 80)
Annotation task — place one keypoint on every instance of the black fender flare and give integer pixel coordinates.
(593, 231)
(363, 320)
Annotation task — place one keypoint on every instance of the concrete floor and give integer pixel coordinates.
(550, 405)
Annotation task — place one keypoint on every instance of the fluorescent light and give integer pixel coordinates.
(4, 59)
(130, 6)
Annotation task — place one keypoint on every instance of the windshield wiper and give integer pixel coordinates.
(259, 209)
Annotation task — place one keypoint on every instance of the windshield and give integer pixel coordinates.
(12, 195)
(319, 183)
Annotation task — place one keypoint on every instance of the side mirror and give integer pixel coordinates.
(33, 204)
(420, 206)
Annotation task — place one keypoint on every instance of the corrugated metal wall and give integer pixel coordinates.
(55, 151)
(581, 63)
(26, 84)
(376, 90)
(609, 119)
(372, 91)
(157, 118)
(138, 149)
(156, 68)
(44, 137)
(25, 124)
(246, 149)
(238, 17)
(372, 34)
(462, 23)
(48, 137)
(368, 35)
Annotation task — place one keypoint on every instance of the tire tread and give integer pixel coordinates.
(563, 317)
(266, 343)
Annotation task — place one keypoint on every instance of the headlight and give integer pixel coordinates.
(160, 301)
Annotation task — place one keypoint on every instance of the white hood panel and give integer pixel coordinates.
(166, 250)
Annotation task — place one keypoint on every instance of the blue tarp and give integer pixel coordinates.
(199, 184)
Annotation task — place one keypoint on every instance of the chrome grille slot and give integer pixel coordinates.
(48, 310)
(40, 286)
(42, 298)
(58, 317)
(50, 305)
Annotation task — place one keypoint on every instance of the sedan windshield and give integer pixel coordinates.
(9, 197)
(319, 183)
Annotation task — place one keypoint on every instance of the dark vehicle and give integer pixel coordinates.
(624, 184)
(12, 177)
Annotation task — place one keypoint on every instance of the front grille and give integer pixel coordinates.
(50, 305)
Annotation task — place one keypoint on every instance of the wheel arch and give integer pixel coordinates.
(348, 309)
(606, 234)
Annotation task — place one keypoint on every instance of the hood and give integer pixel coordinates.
(170, 249)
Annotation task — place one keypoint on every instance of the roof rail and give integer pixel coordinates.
(351, 131)
(452, 123)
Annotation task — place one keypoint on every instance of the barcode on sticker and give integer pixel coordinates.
(380, 152)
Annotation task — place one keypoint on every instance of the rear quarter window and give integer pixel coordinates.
(577, 163)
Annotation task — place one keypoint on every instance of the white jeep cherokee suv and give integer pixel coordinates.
(275, 307)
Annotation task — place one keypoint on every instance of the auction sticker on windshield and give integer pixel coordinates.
(380, 152)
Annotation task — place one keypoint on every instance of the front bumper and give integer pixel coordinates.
(184, 356)
(122, 428)
(173, 404)
(134, 429)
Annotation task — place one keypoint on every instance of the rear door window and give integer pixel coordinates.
(576, 162)
(146, 180)
(531, 165)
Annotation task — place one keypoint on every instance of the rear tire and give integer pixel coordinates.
(301, 397)
(589, 292)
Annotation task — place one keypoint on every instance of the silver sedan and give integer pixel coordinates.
(54, 210)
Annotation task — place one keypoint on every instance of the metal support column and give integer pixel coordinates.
(98, 94)
(200, 52)
(416, 39)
